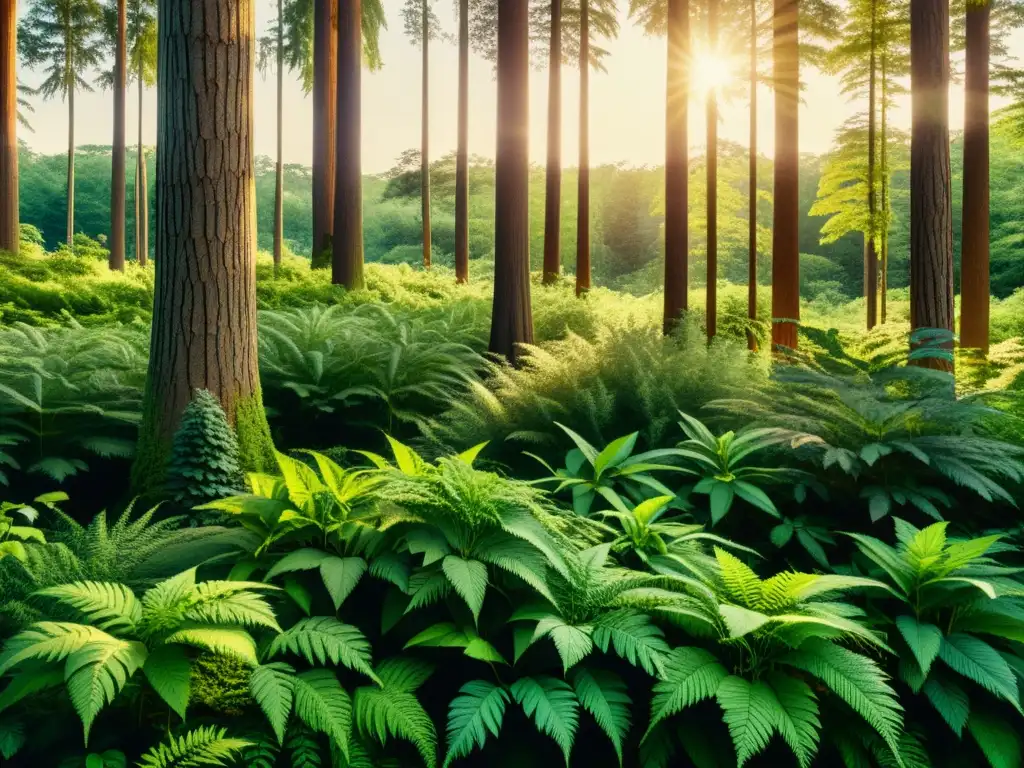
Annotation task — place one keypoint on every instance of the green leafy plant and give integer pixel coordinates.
(390, 709)
(204, 462)
(611, 473)
(956, 617)
(895, 434)
(206, 745)
(722, 463)
(13, 537)
(119, 634)
(767, 638)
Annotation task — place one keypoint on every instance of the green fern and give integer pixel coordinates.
(604, 696)
(552, 705)
(202, 746)
(324, 639)
(478, 710)
(392, 710)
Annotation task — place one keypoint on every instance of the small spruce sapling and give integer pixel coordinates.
(204, 454)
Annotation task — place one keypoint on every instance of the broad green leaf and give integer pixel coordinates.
(999, 740)
(978, 661)
(469, 578)
(340, 576)
(923, 639)
(614, 453)
(169, 671)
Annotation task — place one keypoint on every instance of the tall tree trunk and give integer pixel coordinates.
(204, 311)
(583, 205)
(9, 230)
(141, 193)
(974, 268)
(931, 229)
(117, 163)
(752, 187)
(870, 244)
(883, 289)
(425, 137)
(347, 263)
(325, 94)
(279, 177)
(711, 164)
(553, 192)
(677, 258)
(462, 155)
(511, 317)
(786, 230)
(71, 167)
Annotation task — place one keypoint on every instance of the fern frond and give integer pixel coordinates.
(110, 606)
(691, 675)
(226, 641)
(273, 688)
(393, 710)
(207, 745)
(97, 672)
(323, 705)
(634, 638)
(552, 705)
(605, 697)
(323, 638)
(751, 712)
(49, 641)
(478, 710)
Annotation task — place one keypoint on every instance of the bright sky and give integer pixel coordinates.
(627, 105)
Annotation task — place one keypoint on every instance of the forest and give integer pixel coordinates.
(484, 461)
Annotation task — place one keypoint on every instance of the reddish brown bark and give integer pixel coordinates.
(931, 229)
(583, 187)
(553, 189)
(462, 153)
(786, 232)
(347, 248)
(677, 260)
(9, 233)
(974, 268)
(752, 186)
(204, 314)
(325, 64)
(117, 164)
(425, 138)
(711, 290)
(511, 316)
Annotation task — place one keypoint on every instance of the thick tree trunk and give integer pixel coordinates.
(117, 164)
(711, 162)
(752, 187)
(974, 268)
(870, 244)
(677, 261)
(583, 205)
(425, 137)
(141, 194)
(931, 230)
(347, 251)
(553, 191)
(279, 177)
(9, 231)
(511, 317)
(71, 168)
(204, 315)
(786, 230)
(462, 155)
(325, 94)
(883, 159)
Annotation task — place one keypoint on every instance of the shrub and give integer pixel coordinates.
(204, 454)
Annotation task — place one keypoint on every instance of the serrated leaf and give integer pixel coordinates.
(552, 706)
(750, 711)
(924, 640)
(169, 672)
(478, 710)
(604, 695)
(469, 578)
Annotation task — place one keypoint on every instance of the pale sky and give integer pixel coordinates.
(627, 105)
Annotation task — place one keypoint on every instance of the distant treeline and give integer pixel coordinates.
(627, 209)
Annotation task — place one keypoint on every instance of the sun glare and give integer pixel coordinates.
(712, 70)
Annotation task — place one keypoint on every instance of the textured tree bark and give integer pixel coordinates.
(325, 94)
(711, 290)
(204, 318)
(870, 244)
(511, 316)
(347, 250)
(583, 189)
(117, 164)
(462, 154)
(786, 232)
(553, 190)
(752, 187)
(974, 270)
(141, 195)
(71, 165)
(279, 171)
(9, 231)
(425, 137)
(883, 288)
(931, 229)
(677, 260)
